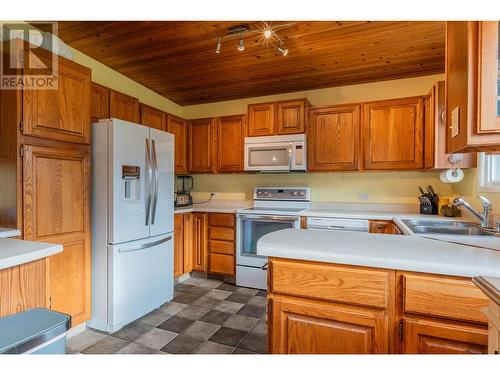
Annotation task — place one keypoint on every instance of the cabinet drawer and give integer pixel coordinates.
(222, 247)
(352, 285)
(223, 264)
(219, 233)
(222, 220)
(443, 297)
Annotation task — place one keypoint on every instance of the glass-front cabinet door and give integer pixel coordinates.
(489, 77)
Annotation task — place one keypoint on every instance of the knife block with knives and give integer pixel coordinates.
(429, 202)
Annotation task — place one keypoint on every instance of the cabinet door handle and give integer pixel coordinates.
(264, 267)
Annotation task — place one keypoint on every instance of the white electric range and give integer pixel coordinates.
(275, 208)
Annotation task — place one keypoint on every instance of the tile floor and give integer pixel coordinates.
(205, 317)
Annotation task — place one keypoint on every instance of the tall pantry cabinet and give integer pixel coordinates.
(45, 172)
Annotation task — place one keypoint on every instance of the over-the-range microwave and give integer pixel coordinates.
(277, 153)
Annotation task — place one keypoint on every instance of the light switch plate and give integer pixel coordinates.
(455, 121)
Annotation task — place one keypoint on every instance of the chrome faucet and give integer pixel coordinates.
(484, 216)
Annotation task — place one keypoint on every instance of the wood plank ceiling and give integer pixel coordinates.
(178, 59)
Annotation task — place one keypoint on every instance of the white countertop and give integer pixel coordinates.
(408, 253)
(219, 206)
(9, 232)
(15, 252)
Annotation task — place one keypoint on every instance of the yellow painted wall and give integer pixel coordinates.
(333, 95)
(468, 188)
(381, 187)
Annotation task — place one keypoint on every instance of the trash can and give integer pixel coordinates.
(35, 331)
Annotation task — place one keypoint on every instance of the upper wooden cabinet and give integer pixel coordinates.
(64, 113)
(99, 102)
(152, 117)
(333, 138)
(435, 156)
(202, 145)
(123, 107)
(230, 138)
(286, 117)
(261, 118)
(290, 117)
(472, 86)
(393, 132)
(179, 128)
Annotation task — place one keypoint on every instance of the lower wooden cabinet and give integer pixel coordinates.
(434, 337)
(183, 244)
(222, 237)
(200, 241)
(69, 281)
(317, 308)
(178, 245)
(303, 326)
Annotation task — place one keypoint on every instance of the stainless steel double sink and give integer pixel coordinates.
(445, 227)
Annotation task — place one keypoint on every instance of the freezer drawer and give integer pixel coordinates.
(140, 279)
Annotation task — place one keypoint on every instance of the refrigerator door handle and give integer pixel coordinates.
(155, 182)
(149, 172)
(146, 245)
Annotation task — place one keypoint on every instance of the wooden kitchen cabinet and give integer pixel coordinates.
(307, 326)
(317, 307)
(99, 102)
(472, 86)
(178, 245)
(200, 241)
(434, 337)
(222, 244)
(123, 106)
(152, 117)
(179, 128)
(290, 116)
(56, 209)
(261, 119)
(230, 137)
(333, 138)
(62, 114)
(435, 156)
(187, 227)
(277, 118)
(202, 145)
(393, 132)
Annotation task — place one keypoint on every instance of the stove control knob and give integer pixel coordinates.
(259, 193)
(266, 193)
(294, 193)
(301, 193)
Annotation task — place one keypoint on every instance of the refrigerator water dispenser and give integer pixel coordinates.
(131, 180)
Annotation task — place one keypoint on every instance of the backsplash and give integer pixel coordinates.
(379, 187)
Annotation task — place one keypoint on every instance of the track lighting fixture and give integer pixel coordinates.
(267, 32)
(241, 46)
(283, 51)
(217, 47)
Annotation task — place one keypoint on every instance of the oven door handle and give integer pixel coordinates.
(269, 218)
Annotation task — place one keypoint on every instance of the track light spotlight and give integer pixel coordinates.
(241, 46)
(217, 47)
(283, 51)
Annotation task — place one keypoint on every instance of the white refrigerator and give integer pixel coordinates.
(132, 222)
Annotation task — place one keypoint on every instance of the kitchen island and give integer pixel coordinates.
(346, 292)
(23, 276)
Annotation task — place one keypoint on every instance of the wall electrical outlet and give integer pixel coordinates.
(214, 194)
(363, 196)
